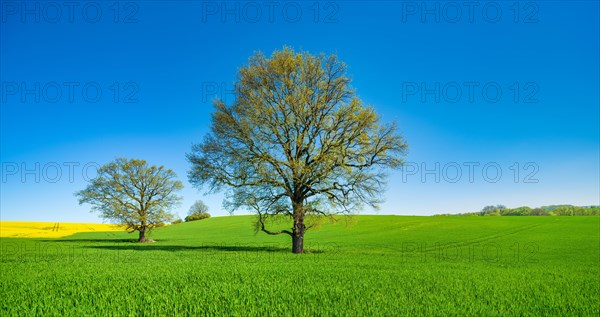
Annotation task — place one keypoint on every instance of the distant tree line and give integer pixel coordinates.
(553, 210)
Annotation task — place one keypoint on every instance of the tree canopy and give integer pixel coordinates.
(296, 142)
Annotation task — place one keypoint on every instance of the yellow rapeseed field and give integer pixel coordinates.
(24, 229)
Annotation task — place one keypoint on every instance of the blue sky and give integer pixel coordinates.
(516, 85)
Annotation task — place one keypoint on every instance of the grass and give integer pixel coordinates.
(371, 265)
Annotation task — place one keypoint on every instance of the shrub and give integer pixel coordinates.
(198, 216)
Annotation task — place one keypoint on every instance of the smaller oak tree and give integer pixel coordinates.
(198, 211)
(134, 194)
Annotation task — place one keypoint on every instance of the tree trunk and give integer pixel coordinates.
(298, 243)
(298, 236)
(142, 235)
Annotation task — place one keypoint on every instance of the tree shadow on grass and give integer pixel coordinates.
(133, 244)
(92, 240)
(216, 247)
(177, 248)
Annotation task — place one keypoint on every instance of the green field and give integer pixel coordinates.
(368, 265)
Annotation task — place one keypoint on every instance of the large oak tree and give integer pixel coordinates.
(134, 194)
(296, 142)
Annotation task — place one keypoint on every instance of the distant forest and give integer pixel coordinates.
(553, 210)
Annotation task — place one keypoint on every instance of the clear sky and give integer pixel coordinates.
(477, 89)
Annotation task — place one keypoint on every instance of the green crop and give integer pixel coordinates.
(364, 265)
